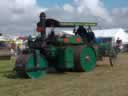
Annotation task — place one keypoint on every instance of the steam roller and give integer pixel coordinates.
(84, 58)
(56, 53)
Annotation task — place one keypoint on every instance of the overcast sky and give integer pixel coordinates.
(21, 16)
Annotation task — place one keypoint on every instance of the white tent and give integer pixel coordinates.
(68, 32)
(114, 33)
(2, 38)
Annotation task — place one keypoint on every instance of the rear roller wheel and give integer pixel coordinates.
(84, 58)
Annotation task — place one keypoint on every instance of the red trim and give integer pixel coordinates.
(66, 40)
(78, 40)
(40, 29)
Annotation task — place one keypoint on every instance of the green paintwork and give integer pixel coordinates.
(60, 58)
(72, 40)
(69, 58)
(106, 47)
(78, 23)
(41, 63)
(52, 52)
(91, 64)
(65, 58)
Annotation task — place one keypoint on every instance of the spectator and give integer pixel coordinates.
(118, 44)
(18, 50)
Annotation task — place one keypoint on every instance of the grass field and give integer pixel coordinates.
(103, 81)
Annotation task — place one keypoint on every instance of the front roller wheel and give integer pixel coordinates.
(28, 68)
(84, 58)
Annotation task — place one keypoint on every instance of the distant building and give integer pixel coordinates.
(113, 33)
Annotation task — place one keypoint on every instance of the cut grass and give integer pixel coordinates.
(103, 81)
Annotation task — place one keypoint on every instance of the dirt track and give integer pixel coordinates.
(103, 81)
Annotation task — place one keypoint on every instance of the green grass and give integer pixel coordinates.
(103, 81)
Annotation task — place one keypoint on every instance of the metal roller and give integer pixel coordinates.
(29, 66)
(84, 58)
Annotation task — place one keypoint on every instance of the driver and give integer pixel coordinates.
(82, 32)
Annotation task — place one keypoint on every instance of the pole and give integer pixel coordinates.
(43, 21)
